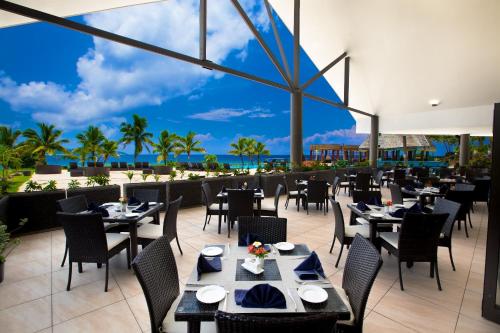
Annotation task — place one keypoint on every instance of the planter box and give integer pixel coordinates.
(48, 169)
(189, 189)
(98, 194)
(39, 207)
(96, 171)
(76, 173)
(162, 169)
(162, 187)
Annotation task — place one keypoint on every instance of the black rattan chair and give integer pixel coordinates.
(482, 190)
(317, 192)
(158, 276)
(361, 268)
(211, 207)
(451, 208)
(366, 196)
(335, 186)
(417, 241)
(291, 191)
(345, 234)
(243, 323)
(147, 195)
(267, 210)
(239, 203)
(149, 232)
(88, 242)
(270, 230)
(378, 181)
(465, 198)
(397, 195)
(362, 182)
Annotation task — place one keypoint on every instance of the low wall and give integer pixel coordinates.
(48, 169)
(189, 189)
(96, 171)
(162, 169)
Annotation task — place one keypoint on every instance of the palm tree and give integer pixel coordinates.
(239, 149)
(136, 133)
(92, 139)
(188, 144)
(45, 142)
(250, 151)
(259, 149)
(80, 153)
(109, 148)
(167, 143)
(8, 137)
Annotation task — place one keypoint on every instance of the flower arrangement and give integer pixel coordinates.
(388, 203)
(258, 250)
(123, 200)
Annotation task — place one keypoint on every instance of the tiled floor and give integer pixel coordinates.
(33, 296)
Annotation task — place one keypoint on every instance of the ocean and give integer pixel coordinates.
(234, 161)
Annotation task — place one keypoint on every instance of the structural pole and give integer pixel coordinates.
(296, 129)
(203, 29)
(374, 142)
(463, 157)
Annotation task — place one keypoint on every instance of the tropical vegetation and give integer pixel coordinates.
(136, 133)
(188, 144)
(46, 141)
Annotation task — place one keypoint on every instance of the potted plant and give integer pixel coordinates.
(6, 243)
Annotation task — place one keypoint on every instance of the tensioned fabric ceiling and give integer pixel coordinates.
(405, 53)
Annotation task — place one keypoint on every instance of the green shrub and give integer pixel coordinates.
(32, 186)
(73, 184)
(51, 186)
(172, 175)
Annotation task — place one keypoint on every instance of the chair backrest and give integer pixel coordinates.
(317, 190)
(445, 172)
(146, 194)
(363, 181)
(482, 190)
(85, 236)
(234, 323)
(170, 220)
(464, 187)
(365, 196)
(123, 165)
(277, 194)
(339, 220)
(396, 195)
(335, 184)
(206, 192)
(270, 230)
(442, 206)
(156, 271)
(240, 203)
(75, 204)
(464, 198)
(419, 235)
(289, 184)
(361, 268)
(379, 176)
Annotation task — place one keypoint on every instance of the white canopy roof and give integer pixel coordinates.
(405, 53)
(63, 8)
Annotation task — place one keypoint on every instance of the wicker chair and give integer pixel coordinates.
(269, 229)
(482, 190)
(243, 323)
(335, 186)
(157, 273)
(362, 181)
(465, 198)
(317, 192)
(291, 191)
(378, 181)
(89, 243)
(267, 210)
(417, 241)
(147, 195)
(397, 195)
(361, 268)
(365, 196)
(345, 234)
(149, 232)
(240, 203)
(211, 207)
(451, 208)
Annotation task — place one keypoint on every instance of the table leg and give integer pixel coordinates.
(221, 204)
(258, 206)
(132, 229)
(193, 326)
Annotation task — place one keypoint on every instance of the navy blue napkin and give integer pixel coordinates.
(399, 213)
(96, 209)
(409, 188)
(362, 206)
(415, 209)
(208, 265)
(260, 296)
(310, 268)
(142, 208)
(133, 201)
(375, 200)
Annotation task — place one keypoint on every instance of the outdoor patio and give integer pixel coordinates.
(33, 296)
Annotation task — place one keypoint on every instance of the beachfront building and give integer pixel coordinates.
(336, 152)
(392, 147)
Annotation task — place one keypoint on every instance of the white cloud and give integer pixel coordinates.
(204, 137)
(115, 78)
(346, 133)
(278, 140)
(226, 114)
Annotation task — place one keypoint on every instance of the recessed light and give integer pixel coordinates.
(434, 102)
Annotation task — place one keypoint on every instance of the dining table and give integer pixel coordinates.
(423, 193)
(117, 216)
(258, 196)
(278, 272)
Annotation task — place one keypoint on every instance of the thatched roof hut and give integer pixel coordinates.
(395, 141)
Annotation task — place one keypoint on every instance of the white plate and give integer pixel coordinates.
(377, 215)
(210, 294)
(131, 214)
(312, 294)
(212, 251)
(284, 246)
(152, 203)
(399, 206)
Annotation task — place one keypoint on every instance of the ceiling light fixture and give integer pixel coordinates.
(434, 102)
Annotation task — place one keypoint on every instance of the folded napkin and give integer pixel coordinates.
(362, 206)
(208, 265)
(409, 188)
(399, 213)
(310, 268)
(260, 296)
(142, 208)
(133, 201)
(375, 200)
(97, 209)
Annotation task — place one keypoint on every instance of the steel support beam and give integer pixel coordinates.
(296, 43)
(323, 71)
(463, 156)
(203, 30)
(296, 129)
(374, 142)
(41, 16)
(277, 38)
(335, 104)
(346, 80)
(261, 41)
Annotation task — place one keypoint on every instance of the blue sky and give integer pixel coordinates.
(72, 80)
